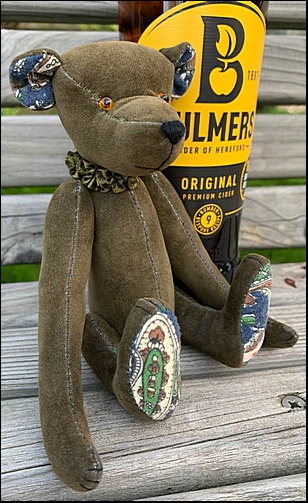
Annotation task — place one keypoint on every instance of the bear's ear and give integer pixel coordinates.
(183, 56)
(30, 78)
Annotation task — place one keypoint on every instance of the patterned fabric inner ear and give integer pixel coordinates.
(30, 79)
(184, 71)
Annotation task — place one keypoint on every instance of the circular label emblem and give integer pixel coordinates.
(243, 182)
(208, 219)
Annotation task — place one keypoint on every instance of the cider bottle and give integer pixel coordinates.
(218, 110)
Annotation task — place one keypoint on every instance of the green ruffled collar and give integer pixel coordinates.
(97, 178)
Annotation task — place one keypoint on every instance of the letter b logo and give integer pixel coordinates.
(222, 73)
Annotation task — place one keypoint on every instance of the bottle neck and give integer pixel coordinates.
(134, 17)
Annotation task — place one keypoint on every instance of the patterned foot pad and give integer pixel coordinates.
(154, 366)
(255, 313)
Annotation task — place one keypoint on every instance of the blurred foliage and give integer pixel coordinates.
(20, 272)
(281, 255)
(28, 190)
(280, 181)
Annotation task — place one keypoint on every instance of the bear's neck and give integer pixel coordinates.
(96, 177)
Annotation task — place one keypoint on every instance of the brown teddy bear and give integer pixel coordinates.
(118, 223)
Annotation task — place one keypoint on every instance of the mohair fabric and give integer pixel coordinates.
(279, 335)
(218, 332)
(134, 263)
(88, 73)
(189, 259)
(193, 269)
(116, 235)
(131, 245)
(68, 238)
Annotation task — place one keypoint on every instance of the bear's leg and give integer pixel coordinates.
(192, 265)
(100, 348)
(234, 334)
(143, 368)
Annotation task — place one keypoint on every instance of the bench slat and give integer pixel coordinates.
(283, 77)
(19, 301)
(19, 319)
(40, 142)
(15, 42)
(287, 15)
(19, 348)
(60, 12)
(265, 223)
(281, 14)
(219, 425)
(274, 217)
(289, 488)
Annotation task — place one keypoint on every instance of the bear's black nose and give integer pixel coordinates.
(174, 130)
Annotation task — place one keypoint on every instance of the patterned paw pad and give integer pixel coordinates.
(154, 366)
(255, 313)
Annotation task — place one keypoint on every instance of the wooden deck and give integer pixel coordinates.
(231, 438)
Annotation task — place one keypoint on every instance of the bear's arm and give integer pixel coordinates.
(66, 260)
(190, 261)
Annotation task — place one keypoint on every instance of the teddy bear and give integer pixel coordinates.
(117, 225)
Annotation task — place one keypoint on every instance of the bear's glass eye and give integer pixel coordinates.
(163, 96)
(106, 104)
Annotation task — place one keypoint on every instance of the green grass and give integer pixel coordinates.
(28, 190)
(280, 256)
(19, 272)
(30, 272)
(281, 181)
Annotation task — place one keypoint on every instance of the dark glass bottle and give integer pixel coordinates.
(135, 17)
(219, 112)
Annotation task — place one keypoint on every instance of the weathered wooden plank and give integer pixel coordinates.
(283, 14)
(19, 308)
(19, 358)
(22, 227)
(19, 41)
(225, 431)
(283, 77)
(283, 81)
(273, 217)
(278, 147)
(60, 12)
(40, 141)
(290, 488)
(287, 15)
(19, 301)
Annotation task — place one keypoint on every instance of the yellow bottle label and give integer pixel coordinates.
(219, 107)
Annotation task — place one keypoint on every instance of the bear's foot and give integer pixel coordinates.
(147, 378)
(234, 334)
(279, 335)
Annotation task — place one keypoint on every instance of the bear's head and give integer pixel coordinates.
(113, 99)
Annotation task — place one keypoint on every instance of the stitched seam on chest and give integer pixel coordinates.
(147, 240)
(68, 289)
(188, 233)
